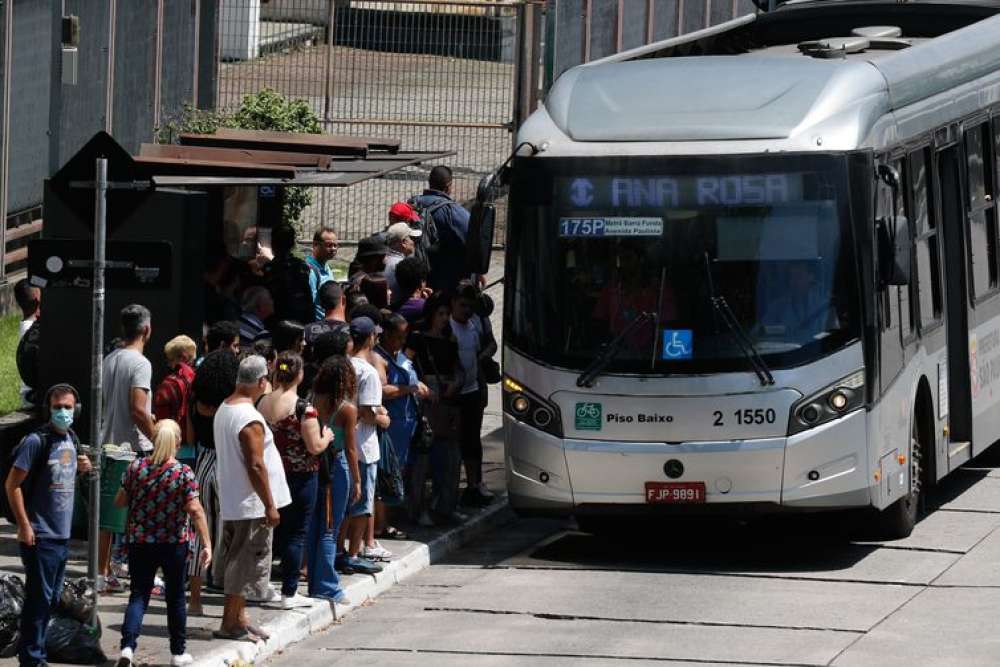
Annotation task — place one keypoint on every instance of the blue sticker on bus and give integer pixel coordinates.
(678, 344)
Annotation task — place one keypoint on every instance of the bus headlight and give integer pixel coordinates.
(834, 401)
(529, 408)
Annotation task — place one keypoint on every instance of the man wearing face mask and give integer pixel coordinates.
(40, 489)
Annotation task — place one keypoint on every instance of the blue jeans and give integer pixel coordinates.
(323, 530)
(143, 561)
(294, 523)
(44, 568)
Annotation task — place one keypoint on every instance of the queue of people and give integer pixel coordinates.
(324, 417)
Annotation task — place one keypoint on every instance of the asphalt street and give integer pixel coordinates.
(790, 591)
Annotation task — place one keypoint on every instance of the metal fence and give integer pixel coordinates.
(434, 74)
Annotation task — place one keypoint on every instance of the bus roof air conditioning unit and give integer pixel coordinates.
(834, 47)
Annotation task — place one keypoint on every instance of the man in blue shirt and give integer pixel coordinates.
(451, 219)
(324, 249)
(40, 489)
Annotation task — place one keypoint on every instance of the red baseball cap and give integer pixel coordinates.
(403, 211)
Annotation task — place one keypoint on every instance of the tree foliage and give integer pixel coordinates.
(263, 110)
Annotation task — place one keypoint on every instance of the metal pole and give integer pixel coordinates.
(158, 67)
(109, 91)
(8, 54)
(331, 18)
(96, 363)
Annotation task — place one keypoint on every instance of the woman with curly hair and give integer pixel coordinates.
(301, 439)
(334, 393)
(214, 380)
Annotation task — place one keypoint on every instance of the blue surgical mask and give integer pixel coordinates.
(62, 418)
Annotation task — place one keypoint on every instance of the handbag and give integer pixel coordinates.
(389, 483)
(489, 369)
(423, 437)
(445, 420)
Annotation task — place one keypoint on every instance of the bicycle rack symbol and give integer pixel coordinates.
(677, 344)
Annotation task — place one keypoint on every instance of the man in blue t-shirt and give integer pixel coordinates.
(324, 249)
(40, 489)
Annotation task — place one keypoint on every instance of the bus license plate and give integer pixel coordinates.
(675, 492)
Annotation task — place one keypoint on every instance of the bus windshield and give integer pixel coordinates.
(763, 241)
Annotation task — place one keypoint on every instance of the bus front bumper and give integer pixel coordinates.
(823, 468)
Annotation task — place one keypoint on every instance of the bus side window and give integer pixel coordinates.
(907, 304)
(927, 268)
(889, 296)
(982, 209)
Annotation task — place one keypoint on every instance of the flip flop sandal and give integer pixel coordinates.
(242, 635)
(263, 636)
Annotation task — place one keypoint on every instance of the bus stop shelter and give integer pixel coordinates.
(165, 207)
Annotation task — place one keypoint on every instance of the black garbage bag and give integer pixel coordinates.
(11, 604)
(78, 600)
(69, 640)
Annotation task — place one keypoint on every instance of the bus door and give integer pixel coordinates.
(957, 304)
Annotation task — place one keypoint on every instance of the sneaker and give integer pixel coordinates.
(158, 587)
(126, 658)
(341, 598)
(377, 552)
(181, 660)
(363, 565)
(295, 601)
(473, 497)
(108, 585)
(270, 597)
(119, 569)
(342, 564)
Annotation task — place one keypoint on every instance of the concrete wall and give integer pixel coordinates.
(50, 121)
(29, 94)
(670, 18)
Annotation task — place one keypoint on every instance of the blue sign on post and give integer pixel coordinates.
(677, 344)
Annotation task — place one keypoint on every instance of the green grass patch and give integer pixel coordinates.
(10, 381)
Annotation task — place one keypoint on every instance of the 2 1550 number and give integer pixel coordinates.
(748, 417)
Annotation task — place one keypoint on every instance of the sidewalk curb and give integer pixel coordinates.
(296, 625)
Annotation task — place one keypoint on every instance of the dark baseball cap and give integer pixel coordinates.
(371, 246)
(364, 326)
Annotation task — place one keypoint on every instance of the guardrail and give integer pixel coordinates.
(15, 253)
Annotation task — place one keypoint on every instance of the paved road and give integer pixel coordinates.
(777, 592)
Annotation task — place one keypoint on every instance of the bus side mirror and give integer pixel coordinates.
(895, 242)
(479, 247)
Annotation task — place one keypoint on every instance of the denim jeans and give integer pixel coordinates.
(323, 529)
(143, 561)
(44, 567)
(446, 471)
(294, 523)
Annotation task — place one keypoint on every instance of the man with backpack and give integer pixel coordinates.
(39, 483)
(446, 224)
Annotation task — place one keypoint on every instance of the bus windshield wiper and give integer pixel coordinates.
(610, 351)
(729, 318)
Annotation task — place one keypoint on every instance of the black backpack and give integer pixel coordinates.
(46, 435)
(430, 239)
(28, 358)
(288, 282)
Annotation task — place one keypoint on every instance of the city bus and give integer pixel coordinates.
(755, 269)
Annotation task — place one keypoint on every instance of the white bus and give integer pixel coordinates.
(756, 268)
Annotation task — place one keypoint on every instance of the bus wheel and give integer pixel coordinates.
(897, 520)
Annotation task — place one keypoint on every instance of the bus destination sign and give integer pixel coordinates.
(672, 192)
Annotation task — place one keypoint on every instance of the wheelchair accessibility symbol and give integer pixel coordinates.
(677, 344)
